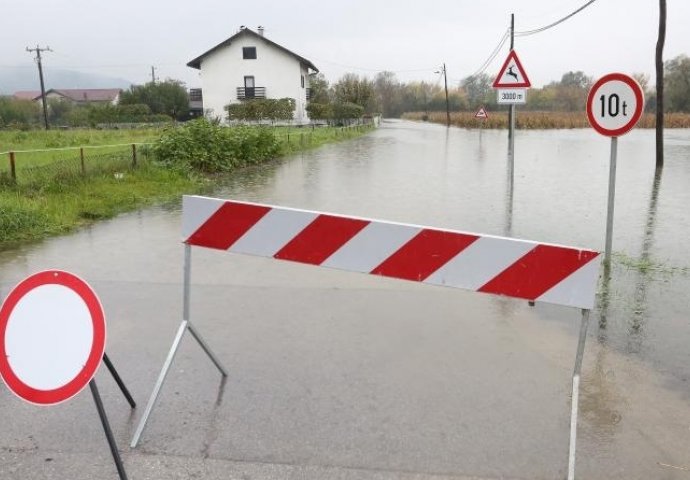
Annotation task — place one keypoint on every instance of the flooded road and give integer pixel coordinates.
(348, 376)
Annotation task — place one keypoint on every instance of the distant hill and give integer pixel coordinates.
(13, 79)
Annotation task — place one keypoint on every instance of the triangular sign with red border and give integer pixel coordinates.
(512, 74)
(481, 113)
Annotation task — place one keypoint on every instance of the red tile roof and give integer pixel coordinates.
(27, 94)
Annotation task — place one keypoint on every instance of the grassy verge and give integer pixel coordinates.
(34, 214)
(59, 197)
(527, 120)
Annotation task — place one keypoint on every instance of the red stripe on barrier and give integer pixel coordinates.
(227, 225)
(428, 251)
(320, 239)
(538, 271)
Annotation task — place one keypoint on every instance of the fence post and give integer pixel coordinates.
(134, 155)
(13, 170)
(81, 156)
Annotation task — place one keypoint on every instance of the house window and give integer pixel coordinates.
(302, 81)
(249, 53)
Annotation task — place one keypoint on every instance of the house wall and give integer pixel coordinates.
(224, 70)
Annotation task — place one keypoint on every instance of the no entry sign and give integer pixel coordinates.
(614, 104)
(52, 337)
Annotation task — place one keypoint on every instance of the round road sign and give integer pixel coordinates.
(52, 337)
(614, 104)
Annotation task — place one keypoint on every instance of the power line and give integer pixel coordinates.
(495, 52)
(557, 22)
(368, 69)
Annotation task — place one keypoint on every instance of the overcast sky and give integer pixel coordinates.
(410, 38)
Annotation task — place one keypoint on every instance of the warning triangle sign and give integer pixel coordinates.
(481, 113)
(512, 75)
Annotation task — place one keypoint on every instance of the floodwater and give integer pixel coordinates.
(344, 371)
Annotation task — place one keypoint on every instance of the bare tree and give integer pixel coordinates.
(660, 85)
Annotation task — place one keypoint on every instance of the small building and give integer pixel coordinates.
(247, 66)
(77, 96)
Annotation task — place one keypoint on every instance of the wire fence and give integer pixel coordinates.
(34, 168)
(38, 167)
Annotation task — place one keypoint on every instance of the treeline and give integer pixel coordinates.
(387, 95)
(149, 103)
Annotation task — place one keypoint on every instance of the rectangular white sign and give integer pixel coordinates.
(511, 95)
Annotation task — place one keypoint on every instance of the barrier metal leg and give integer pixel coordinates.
(108, 432)
(159, 383)
(186, 308)
(576, 394)
(206, 348)
(185, 325)
(119, 381)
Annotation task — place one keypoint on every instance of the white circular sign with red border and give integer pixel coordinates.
(52, 337)
(614, 104)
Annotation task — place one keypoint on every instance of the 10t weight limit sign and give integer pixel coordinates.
(614, 104)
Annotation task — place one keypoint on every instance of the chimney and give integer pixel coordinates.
(242, 27)
(260, 30)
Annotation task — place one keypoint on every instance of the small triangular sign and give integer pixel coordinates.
(512, 75)
(481, 113)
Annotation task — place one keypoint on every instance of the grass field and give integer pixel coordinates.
(538, 120)
(36, 148)
(62, 144)
(55, 192)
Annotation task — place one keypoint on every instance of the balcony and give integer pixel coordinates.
(248, 93)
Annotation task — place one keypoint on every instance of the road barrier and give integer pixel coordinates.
(537, 272)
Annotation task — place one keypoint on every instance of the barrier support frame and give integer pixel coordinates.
(584, 323)
(185, 325)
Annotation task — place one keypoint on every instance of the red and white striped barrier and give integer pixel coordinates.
(482, 263)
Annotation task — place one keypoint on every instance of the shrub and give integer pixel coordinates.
(209, 147)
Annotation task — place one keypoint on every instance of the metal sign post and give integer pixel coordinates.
(611, 201)
(614, 105)
(511, 84)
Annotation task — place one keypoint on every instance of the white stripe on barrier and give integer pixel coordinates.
(370, 247)
(480, 262)
(195, 213)
(577, 289)
(272, 232)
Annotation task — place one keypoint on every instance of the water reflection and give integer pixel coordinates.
(638, 318)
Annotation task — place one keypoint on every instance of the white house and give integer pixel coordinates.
(248, 65)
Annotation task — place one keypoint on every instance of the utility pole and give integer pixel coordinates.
(38, 51)
(445, 79)
(511, 110)
(153, 74)
(661, 39)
